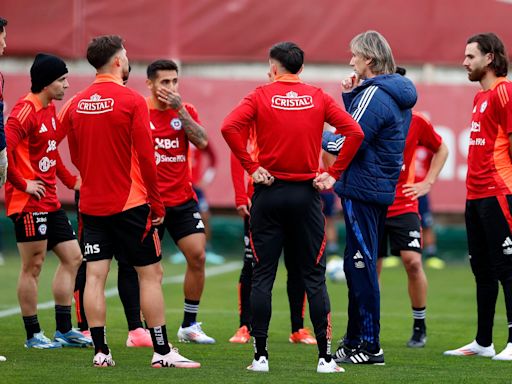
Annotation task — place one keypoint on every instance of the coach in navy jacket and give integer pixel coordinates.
(380, 101)
(382, 106)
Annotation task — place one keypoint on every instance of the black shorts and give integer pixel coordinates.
(489, 231)
(402, 233)
(128, 235)
(36, 226)
(181, 221)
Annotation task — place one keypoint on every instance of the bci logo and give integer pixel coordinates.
(167, 143)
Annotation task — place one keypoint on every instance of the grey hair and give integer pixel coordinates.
(372, 45)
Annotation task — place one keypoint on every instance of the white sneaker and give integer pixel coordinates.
(472, 349)
(260, 365)
(506, 354)
(328, 367)
(101, 360)
(172, 360)
(194, 334)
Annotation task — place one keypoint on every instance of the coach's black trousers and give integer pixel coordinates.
(288, 215)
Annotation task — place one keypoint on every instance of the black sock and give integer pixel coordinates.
(99, 339)
(191, 308)
(322, 349)
(79, 298)
(260, 347)
(128, 286)
(486, 296)
(63, 318)
(31, 325)
(507, 293)
(160, 342)
(419, 314)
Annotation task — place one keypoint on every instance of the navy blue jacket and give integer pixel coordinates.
(382, 106)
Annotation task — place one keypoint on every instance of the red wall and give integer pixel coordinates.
(242, 30)
(449, 108)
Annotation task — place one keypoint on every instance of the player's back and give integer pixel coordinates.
(101, 123)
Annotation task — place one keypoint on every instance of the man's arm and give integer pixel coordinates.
(436, 165)
(235, 127)
(431, 140)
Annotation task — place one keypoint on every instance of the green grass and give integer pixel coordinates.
(451, 323)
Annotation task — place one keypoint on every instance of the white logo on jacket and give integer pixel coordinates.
(292, 101)
(95, 105)
(45, 164)
(176, 124)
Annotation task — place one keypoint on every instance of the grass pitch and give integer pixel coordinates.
(451, 323)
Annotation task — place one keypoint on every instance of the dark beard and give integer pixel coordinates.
(477, 74)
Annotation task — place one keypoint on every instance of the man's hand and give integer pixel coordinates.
(417, 189)
(262, 176)
(350, 82)
(3, 166)
(36, 188)
(324, 181)
(243, 211)
(78, 183)
(157, 221)
(172, 99)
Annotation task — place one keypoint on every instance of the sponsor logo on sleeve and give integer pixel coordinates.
(95, 105)
(292, 101)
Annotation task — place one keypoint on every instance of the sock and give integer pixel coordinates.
(79, 298)
(128, 286)
(419, 314)
(31, 325)
(486, 296)
(322, 349)
(260, 347)
(191, 308)
(160, 342)
(63, 318)
(244, 294)
(99, 339)
(430, 251)
(507, 293)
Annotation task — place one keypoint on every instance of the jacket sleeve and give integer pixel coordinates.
(236, 126)
(15, 131)
(142, 141)
(67, 178)
(346, 126)
(238, 179)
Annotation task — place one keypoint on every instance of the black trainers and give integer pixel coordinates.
(361, 356)
(342, 352)
(418, 338)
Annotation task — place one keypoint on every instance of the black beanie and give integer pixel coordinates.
(45, 70)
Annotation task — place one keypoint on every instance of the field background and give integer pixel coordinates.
(451, 323)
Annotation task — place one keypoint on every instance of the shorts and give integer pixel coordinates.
(328, 203)
(403, 232)
(128, 236)
(427, 220)
(36, 226)
(181, 221)
(201, 199)
(489, 231)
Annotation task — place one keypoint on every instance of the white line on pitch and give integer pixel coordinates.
(211, 271)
